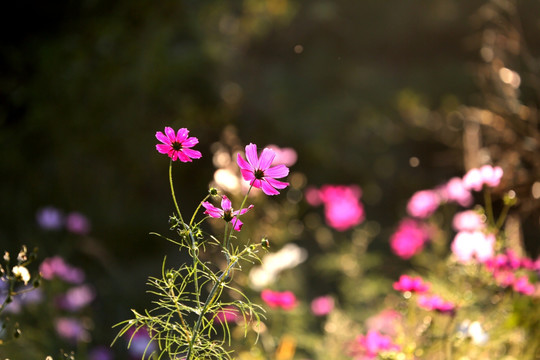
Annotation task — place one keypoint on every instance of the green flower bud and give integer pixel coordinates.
(213, 191)
(265, 243)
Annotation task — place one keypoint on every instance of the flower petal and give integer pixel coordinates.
(161, 137)
(243, 211)
(278, 171)
(268, 189)
(276, 183)
(212, 210)
(251, 155)
(226, 203)
(248, 175)
(267, 156)
(194, 154)
(237, 224)
(243, 164)
(190, 142)
(182, 135)
(163, 148)
(182, 157)
(170, 134)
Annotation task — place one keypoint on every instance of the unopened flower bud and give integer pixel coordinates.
(510, 198)
(213, 191)
(17, 333)
(265, 243)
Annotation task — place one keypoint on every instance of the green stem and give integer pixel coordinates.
(197, 210)
(502, 216)
(194, 248)
(237, 216)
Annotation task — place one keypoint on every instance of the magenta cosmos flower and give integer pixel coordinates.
(411, 284)
(226, 212)
(177, 146)
(367, 347)
(258, 171)
(275, 299)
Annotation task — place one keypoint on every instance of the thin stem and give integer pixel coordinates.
(188, 229)
(502, 216)
(237, 216)
(197, 210)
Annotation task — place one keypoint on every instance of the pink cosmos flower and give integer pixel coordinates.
(369, 346)
(409, 238)
(522, 285)
(76, 298)
(412, 284)
(473, 244)
(227, 315)
(258, 171)
(322, 305)
(436, 303)
(177, 146)
(275, 299)
(386, 322)
(285, 156)
(488, 175)
(226, 212)
(342, 207)
(468, 220)
(423, 204)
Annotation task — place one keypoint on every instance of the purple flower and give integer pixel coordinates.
(101, 353)
(226, 212)
(77, 297)
(50, 218)
(258, 171)
(77, 223)
(177, 146)
(71, 329)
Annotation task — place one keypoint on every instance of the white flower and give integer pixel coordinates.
(272, 264)
(21, 273)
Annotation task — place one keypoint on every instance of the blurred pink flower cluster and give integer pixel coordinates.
(275, 299)
(342, 207)
(411, 284)
(509, 269)
(436, 303)
(322, 305)
(367, 347)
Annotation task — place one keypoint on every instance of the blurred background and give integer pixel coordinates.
(391, 96)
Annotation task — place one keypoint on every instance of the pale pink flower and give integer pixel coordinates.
(226, 212)
(411, 284)
(488, 175)
(342, 207)
(454, 191)
(322, 305)
(367, 347)
(285, 156)
(313, 197)
(177, 146)
(409, 238)
(435, 303)
(468, 220)
(386, 322)
(473, 244)
(258, 171)
(275, 299)
(423, 204)
(77, 297)
(56, 267)
(71, 329)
